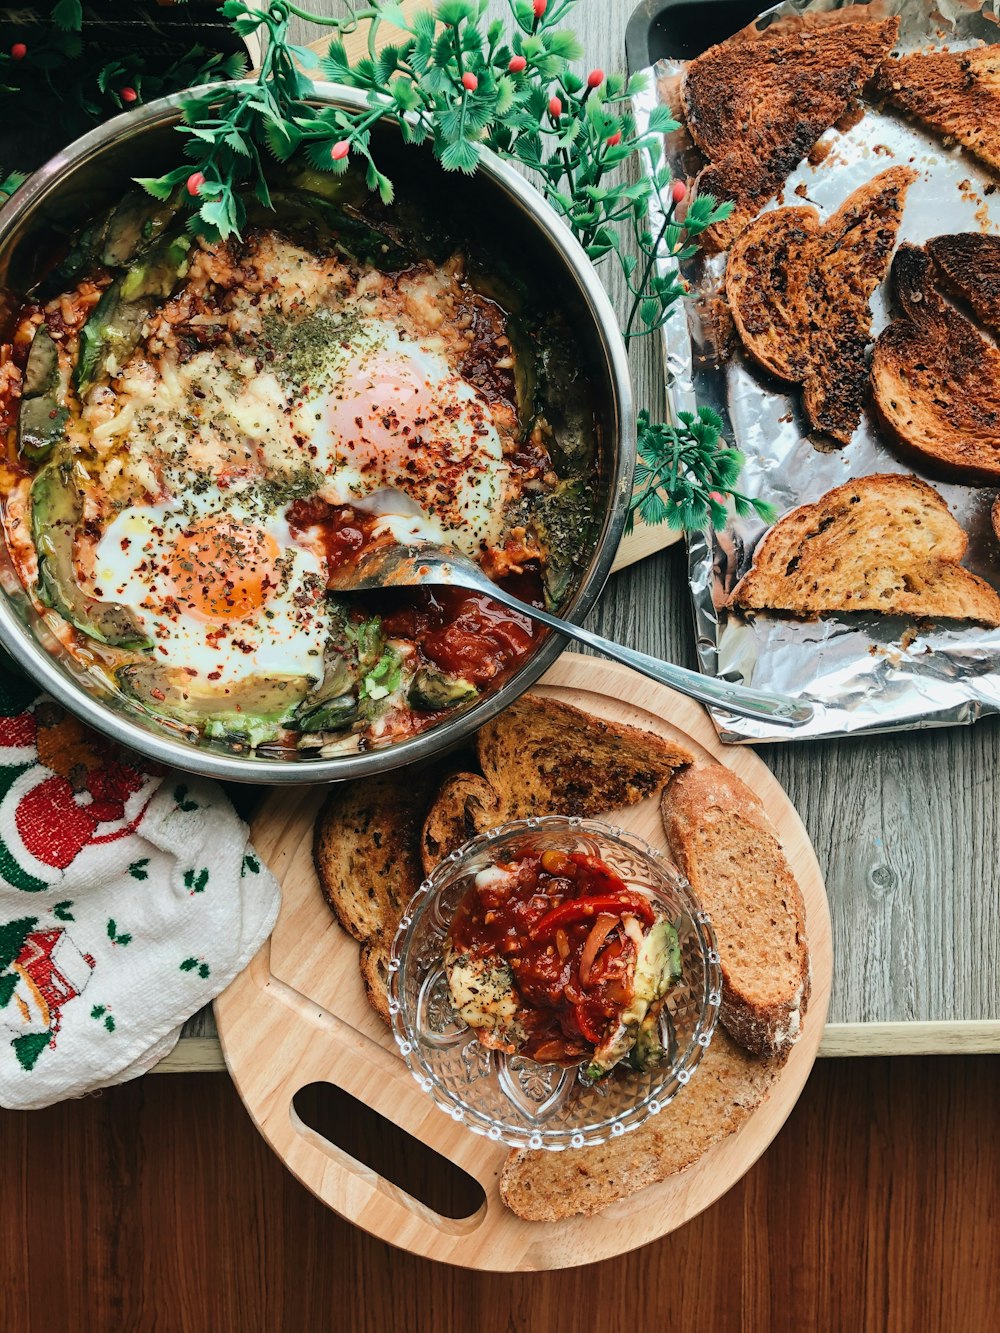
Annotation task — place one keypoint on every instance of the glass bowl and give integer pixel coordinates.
(510, 1098)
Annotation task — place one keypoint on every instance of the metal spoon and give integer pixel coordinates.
(393, 565)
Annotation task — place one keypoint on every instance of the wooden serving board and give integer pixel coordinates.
(298, 1015)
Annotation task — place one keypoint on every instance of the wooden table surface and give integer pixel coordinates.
(906, 826)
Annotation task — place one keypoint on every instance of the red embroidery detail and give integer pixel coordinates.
(16, 732)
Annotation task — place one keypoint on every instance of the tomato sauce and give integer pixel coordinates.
(461, 632)
(559, 921)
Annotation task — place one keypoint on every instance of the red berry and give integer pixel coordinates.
(194, 182)
(615, 139)
(555, 107)
(18, 51)
(517, 64)
(717, 496)
(539, 7)
(469, 82)
(677, 191)
(128, 95)
(595, 78)
(340, 150)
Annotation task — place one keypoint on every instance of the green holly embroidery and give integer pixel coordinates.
(196, 882)
(250, 863)
(199, 964)
(100, 1011)
(29, 1048)
(138, 869)
(12, 937)
(10, 870)
(114, 936)
(182, 799)
(61, 911)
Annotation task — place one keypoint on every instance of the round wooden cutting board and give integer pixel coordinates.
(298, 1015)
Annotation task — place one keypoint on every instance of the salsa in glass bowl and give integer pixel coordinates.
(554, 983)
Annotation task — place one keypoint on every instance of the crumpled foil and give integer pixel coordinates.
(863, 672)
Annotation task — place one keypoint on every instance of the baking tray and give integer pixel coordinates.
(864, 673)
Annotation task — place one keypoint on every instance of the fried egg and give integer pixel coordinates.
(363, 389)
(220, 590)
(394, 415)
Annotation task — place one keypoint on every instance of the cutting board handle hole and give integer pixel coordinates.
(380, 1146)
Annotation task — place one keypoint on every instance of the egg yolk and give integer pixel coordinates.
(223, 570)
(379, 413)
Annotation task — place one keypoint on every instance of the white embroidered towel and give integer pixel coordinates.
(128, 899)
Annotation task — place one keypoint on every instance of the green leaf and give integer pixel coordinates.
(67, 15)
(564, 44)
(460, 156)
(649, 310)
(453, 12)
(661, 121)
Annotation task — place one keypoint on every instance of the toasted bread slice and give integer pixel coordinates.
(465, 806)
(880, 543)
(935, 379)
(956, 94)
(969, 266)
(366, 850)
(799, 293)
(755, 107)
(541, 756)
(725, 1089)
(725, 844)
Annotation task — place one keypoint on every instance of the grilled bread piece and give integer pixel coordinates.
(366, 850)
(880, 543)
(465, 806)
(935, 379)
(799, 293)
(725, 844)
(968, 264)
(756, 106)
(956, 94)
(543, 757)
(727, 1087)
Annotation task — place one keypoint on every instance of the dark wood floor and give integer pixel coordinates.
(157, 1207)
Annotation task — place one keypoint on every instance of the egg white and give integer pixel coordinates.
(283, 638)
(393, 414)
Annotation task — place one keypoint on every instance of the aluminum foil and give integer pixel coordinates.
(864, 672)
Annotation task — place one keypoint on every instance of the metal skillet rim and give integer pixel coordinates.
(28, 653)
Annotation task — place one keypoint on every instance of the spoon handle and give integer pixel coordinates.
(778, 708)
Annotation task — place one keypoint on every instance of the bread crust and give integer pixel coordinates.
(756, 105)
(723, 841)
(935, 379)
(465, 806)
(968, 264)
(884, 543)
(956, 94)
(366, 850)
(726, 1088)
(544, 756)
(799, 291)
